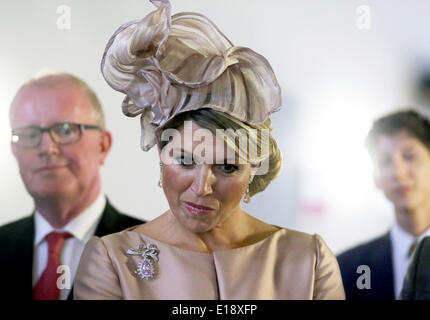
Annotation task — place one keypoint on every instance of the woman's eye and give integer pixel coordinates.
(229, 168)
(185, 161)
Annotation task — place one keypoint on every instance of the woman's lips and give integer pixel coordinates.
(196, 209)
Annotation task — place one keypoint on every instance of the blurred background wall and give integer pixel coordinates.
(340, 65)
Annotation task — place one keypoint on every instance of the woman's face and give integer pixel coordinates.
(203, 183)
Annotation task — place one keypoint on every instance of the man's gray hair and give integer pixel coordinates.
(60, 78)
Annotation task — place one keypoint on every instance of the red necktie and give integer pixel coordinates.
(46, 287)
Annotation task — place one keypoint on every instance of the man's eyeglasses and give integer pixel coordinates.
(61, 133)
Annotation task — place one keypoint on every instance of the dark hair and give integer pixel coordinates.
(409, 120)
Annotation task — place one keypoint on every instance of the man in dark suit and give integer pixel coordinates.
(399, 146)
(60, 142)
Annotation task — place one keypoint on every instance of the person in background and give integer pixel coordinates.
(399, 146)
(60, 142)
(205, 104)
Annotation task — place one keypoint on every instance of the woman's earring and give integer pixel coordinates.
(247, 197)
(160, 184)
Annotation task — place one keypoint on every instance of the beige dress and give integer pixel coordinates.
(286, 265)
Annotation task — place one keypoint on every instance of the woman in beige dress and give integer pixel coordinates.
(205, 104)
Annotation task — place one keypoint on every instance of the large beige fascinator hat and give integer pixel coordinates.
(168, 65)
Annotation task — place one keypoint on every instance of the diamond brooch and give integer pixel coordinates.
(149, 253)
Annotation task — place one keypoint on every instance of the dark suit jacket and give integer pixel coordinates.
(377, 254)
(16, 250)
(416, 285)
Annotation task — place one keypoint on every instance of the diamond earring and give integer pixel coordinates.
(247, 197)
(160, 184)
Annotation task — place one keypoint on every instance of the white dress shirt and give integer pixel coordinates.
(82, 228)
(401, 242)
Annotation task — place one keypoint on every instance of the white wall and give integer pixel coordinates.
(336, 78)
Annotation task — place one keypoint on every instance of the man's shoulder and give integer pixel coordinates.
(371, 258)
(114, 221)
(16, 235)
(370, 247)
(129, 221)
(14, 227)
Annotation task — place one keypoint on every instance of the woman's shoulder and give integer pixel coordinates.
(283, 237)
(295, 235)
(125, 236)
(299, 241)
